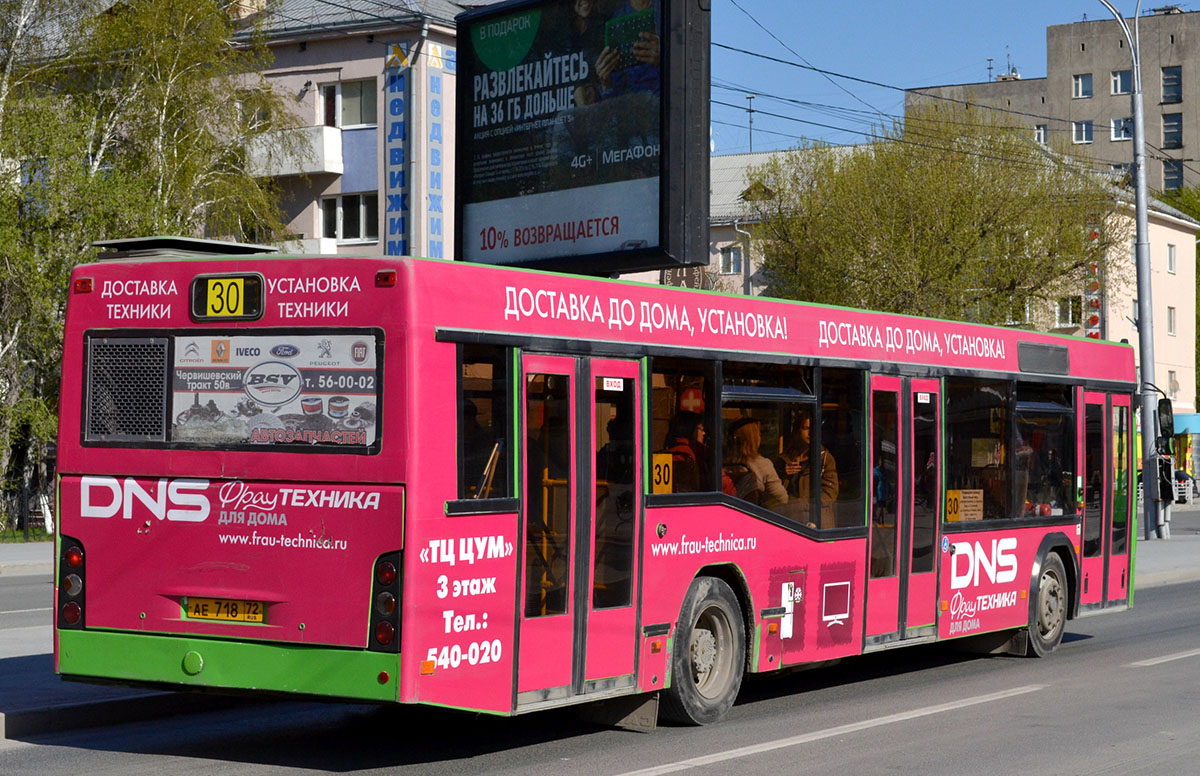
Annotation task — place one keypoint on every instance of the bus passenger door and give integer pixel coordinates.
(886, 526)
(1095, 499)
(550, 485)
(610, 585)
(1120, 438)
(582, 500)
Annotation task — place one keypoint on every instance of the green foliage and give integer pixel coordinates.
(956, 214)
(122, 120)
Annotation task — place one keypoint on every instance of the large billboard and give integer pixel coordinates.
(582, 134)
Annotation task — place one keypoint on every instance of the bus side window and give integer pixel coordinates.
(484, 446)
(683, 420)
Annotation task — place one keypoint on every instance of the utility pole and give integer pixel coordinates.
(750, 112)
(990, 59)
(1145, 322)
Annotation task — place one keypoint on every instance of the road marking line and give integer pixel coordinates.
(841, 730)
(27, 611)
(1164, 659)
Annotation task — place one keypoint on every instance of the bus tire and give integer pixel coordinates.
(1049, 617)
(709, 655)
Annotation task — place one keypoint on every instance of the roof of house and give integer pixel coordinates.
(727, 183)
(304, 16)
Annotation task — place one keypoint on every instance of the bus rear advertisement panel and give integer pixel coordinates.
(272, 561)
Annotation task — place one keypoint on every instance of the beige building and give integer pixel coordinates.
(1085, 98)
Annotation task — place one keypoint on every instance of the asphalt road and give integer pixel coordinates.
(25, 601)
(1120, 695)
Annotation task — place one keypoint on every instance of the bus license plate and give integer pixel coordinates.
(225, 609)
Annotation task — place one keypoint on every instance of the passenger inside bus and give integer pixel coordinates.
(753, 475)
(795, 471)
(689, 454)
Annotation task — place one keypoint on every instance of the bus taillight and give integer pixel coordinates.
(70, 584)
(385, 609)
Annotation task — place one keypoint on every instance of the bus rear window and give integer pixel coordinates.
(259, 391)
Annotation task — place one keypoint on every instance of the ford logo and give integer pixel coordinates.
(284, 351)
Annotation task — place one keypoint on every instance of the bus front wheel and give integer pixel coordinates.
(709, 654)
(1049, 619)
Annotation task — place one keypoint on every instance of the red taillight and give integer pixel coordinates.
(83, 285)
(384, 632)
(385, 278)
(385, 603)
(74, 556)
(71, 612)
(384, 677)
(385, 574)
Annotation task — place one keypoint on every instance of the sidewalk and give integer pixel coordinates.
(34, 700)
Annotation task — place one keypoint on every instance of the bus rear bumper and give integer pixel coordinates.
(184, 663)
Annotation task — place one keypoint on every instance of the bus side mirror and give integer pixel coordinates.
(1166, 426)
(1166, 418)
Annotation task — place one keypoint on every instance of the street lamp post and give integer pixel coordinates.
(1145, 322)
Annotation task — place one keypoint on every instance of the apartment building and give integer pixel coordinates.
(373, 85)
(1085, 98)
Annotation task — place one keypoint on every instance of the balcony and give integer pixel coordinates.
(320, 151)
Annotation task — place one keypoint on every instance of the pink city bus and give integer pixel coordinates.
(420, 481)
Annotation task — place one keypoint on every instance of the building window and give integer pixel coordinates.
(1171, 321)
(1172, 383)
(350, 217)
(1135, 313)
(731, 260)
(1171, 259)
(1018, 313)
(1172, 174)
(1172, 130)
(1125, 168)
(1122, 81)
(1040, 132)
(1122, 129)
(1082, 131)
(349, 104)
(1082, 86)
(1172, 84)
(1070, 311)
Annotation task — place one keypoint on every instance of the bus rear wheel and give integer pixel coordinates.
(1049, 619)
(709, 655)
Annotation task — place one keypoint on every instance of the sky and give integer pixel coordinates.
(905, 45)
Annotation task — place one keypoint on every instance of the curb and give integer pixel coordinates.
(114, 711)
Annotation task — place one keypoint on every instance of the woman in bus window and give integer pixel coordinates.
(754, 476)
(796, 472)
(689, 454)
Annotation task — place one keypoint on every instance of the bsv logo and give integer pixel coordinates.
(999, 565)
(183, 501)
(273, 383)
(284, 351)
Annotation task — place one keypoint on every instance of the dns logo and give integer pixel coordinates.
(184, 501)
(999, 565)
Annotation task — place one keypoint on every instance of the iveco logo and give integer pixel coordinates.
(273, 383)
(284, 351)
(247, 351)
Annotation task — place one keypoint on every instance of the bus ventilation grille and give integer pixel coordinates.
(127, 390)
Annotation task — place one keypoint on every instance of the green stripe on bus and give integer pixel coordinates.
(292, 668)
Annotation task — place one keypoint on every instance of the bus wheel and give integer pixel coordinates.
(709, 654)
(1050, 615)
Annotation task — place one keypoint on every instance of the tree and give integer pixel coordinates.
(956, 214)
(117, 121)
